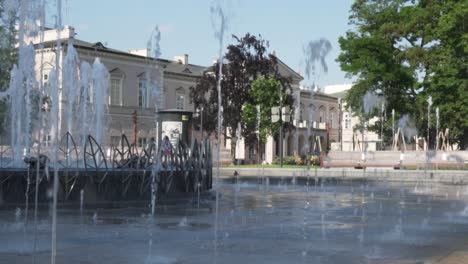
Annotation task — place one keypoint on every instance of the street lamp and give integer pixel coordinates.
(340, 121)
(200, 111)
(280, 114)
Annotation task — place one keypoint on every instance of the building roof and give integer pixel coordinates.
(289, 69)
(169, 65)
(341, 94)
(320, 94)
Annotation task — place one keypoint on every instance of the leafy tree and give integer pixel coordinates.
(246, 60)
(449, 86)
(406, 51)
(265, 94)
(8, 54)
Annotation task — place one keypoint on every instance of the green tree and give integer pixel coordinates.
(449, 86)
(246, 60)
(406, 51)
(265, 94)
(8, 54)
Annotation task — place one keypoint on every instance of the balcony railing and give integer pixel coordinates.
(305, 124)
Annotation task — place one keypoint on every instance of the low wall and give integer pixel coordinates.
(98, 185)
(396, 159)
(377, 174)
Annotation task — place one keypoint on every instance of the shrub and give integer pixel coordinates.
(315, 160)
(298, 160)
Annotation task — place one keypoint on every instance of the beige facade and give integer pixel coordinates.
(315, 121)
(126, 70)
(352, 139)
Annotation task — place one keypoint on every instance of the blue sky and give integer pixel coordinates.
(186, 26)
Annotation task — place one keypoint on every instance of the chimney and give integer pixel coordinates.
(182, 59)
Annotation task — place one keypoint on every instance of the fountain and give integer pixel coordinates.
(429, 105)
(218, 15)
(347, 217)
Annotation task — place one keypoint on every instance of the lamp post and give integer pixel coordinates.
(281, 134)
(200, 111)
(393, 127)
(135, 120)
(340, 125)
(280, 114)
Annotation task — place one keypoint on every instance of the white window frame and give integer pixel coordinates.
(332, 119)
(347, 121)
(180, 92)
(180, 104)
(145, 103)
(142, 142)
(120, 99)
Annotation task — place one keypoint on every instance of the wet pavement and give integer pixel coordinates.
(257, 222)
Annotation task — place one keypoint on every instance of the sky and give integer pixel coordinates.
(186, 27)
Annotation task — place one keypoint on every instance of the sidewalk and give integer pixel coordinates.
(389, 174)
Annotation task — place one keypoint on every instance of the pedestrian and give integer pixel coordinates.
(167, 146)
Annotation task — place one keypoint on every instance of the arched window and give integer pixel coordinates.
(301, 113)
(322, 112)
(333, 117)
(310, 112)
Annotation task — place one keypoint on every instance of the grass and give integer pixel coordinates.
(273, 166)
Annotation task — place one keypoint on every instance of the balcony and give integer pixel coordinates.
(315, 124)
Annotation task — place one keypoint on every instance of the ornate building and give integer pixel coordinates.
(131, 109)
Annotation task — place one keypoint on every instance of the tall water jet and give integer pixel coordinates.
(297, 117)
(407, 127)
(100, 90)
(70, 91)
(429, 105)
(310, 124)
(23, 84)
(393, 126)
(383, 117)
(437, 127)
(371, 101)
(55, 86)
(219, 21)
(71, 84)
(316, 52)
(41, 127)
(153, 83)
(84, 109)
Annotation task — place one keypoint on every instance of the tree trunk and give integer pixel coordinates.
(233, 149)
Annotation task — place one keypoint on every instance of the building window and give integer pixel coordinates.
(143, 94)
(180, 101)
(180, 98)
(332, 120)
(115, 96)
(347, 122)
(142, 142)
(322, 114)
(46, 140)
